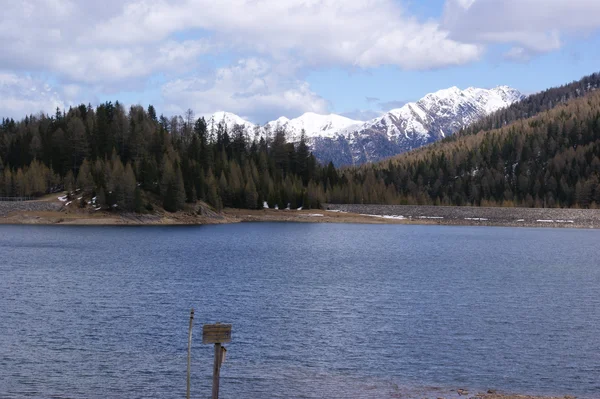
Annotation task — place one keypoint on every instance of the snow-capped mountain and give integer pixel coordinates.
(229, 120)
(314, 125)
(432, 118)
(346, 141)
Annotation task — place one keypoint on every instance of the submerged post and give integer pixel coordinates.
(189, 359)
(216, 371)
(216, 334)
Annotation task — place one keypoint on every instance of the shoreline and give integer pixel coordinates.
(50, 212)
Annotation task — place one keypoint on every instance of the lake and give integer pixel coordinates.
(318, 310)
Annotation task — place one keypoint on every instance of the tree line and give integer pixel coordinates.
(132, 159)
(550, 160)
(543, 151)
(533, 105)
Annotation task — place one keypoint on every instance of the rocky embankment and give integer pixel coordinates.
(467, 215)
(8, 207)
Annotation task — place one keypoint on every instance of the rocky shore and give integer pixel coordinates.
(467, 215)
(53, 211)
(6, 208)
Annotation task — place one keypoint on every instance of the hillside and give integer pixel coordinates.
(343, 141)
(534, 104)
(119, 160)
(549, 160)
(432, 118)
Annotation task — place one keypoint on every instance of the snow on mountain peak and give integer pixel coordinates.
(347, 141)
(229, 119)
(314, 125)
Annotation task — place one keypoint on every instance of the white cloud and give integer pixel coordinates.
(532, 26)
(251, 88)
(82, 41)
(24, 95)
(94, 48)
(341, 32)
(51, 36)
(518, 54)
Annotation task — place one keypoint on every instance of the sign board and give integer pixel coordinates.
(216, 333)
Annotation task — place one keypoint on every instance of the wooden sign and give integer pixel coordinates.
(216, 333)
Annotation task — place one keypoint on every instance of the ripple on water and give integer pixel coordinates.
(317, 310)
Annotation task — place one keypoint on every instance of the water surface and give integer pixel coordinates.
(318, 310)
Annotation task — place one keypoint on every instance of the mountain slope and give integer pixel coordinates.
(345, 141)
(549, 160)
(435, 116)
(314, 125)
(535, 103)
(229, 120)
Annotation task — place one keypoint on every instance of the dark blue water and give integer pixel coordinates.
(318, 310)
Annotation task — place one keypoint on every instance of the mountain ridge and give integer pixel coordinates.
(346, 141)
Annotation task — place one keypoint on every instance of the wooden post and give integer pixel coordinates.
(189, 359)
(216, 371)
(216, 334)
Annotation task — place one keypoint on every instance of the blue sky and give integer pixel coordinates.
(262, 59)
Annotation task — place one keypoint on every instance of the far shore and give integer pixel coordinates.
(51, 211)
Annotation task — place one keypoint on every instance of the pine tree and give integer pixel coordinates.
(250, 195)
(69, 182)
(138, 203)
(129, 189)
(172, 188)
(85, 180)
(212, 195)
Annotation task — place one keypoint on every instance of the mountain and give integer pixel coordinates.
(345, 141)
(230, 120)
(535, 103)
(551, 159)
(435, 116)
(314, 125)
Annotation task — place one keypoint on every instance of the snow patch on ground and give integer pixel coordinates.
(554, 221)
(396, 217)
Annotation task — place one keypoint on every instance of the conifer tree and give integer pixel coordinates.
(69, 182)
(85, 180)
(250, 195)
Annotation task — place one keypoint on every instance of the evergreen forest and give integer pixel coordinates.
(541, 152)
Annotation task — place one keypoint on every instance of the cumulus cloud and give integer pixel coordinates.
(83, 41)
(50, 36)
(23, 95)
(518, 54)
(530, 26)
(251, 88)
(114, 45)
(343, 32)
